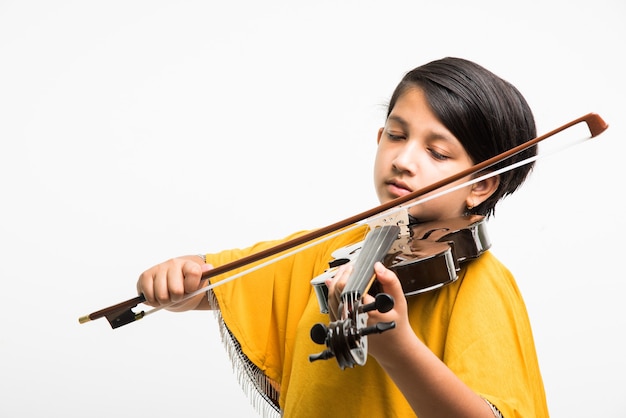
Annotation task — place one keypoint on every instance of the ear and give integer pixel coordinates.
(380, 134)
(481, 191)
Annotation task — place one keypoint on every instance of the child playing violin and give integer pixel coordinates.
(463, 350)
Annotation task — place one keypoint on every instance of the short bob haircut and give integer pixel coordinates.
(487, 114)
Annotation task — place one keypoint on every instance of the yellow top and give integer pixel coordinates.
(478, 326)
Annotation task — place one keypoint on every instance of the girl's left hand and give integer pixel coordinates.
(377, 343)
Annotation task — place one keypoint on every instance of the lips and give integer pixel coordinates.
(398, 188)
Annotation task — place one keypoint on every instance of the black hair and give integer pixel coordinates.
(487, 114)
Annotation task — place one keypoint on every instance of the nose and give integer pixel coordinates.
(405, 160)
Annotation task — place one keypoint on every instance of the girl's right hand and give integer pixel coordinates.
(172, 281)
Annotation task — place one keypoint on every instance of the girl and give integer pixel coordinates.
(464, 350)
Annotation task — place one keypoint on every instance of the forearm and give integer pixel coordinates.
(429, 386)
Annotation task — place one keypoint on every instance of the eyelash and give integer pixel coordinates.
(436, 155)
(395, 137)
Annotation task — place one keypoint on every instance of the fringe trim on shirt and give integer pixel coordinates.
(494, 409)
(262, 391)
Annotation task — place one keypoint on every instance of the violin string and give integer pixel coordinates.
(443, 192)
(397, 209)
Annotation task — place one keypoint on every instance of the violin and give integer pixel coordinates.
(393, 243)
(425, 258)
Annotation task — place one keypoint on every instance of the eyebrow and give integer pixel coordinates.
(433, 135)
(404, 124)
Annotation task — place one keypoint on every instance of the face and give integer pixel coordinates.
(414, 151)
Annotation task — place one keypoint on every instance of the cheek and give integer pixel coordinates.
(380, 174)
(378, 165)
(384, 157)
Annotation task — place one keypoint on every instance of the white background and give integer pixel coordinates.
(134, 131)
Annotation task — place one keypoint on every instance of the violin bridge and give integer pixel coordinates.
(398, 216)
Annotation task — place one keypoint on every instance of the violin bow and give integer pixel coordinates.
(122, 314)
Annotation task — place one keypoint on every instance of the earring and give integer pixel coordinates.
(470, 206)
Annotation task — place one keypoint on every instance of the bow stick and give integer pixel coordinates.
(121, 314)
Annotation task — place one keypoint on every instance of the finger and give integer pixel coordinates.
(204, 269)
(192, 273)
(335, 285)
(160, 284)
(168, 282)
(145, 287)
(331, 299)
(175, 280)
(335, 281)
(341, 278)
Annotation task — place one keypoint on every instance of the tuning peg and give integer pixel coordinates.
(383, 303)
(319, 332)
(324, 355)
(378, 328)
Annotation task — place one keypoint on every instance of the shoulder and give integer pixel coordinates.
(486, 301)
(488, 264)
(487, 272)
(487, 287)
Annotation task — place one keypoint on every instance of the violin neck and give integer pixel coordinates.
(375, 248)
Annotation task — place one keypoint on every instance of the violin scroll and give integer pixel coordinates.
(345, 338)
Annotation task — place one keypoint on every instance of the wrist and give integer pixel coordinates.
(406, 345)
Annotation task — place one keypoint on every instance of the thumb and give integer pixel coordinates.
(388, 280)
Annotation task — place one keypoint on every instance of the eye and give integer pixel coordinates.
(437, 155)
(395, 136)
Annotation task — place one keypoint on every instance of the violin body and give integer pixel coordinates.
(427, 259)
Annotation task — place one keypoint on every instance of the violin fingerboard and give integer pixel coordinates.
(375, 248)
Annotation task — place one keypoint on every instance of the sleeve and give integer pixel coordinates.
(490, 343)
(262, 309)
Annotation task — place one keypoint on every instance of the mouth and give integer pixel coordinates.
(397, 188)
